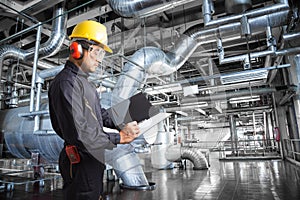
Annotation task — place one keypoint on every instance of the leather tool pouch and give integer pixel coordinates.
(72, 154)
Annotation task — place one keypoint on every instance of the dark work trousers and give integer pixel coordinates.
(86, 182)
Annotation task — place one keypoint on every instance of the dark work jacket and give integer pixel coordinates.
(76, 114)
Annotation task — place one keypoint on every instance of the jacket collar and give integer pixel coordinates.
(71, 66)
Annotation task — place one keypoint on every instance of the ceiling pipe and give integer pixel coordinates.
(291, 36)
(288, 51)
(240, 93)
(281, 5)
(207, 11)
(271, 44)
(206, 36)
(277, 62)
(47, 49)
(146, 60)
(143, 8)
(240, 73)
(154, 61)
(48, 73)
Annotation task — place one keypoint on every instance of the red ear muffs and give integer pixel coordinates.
(76, 50)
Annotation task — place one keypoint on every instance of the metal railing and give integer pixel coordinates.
(248, 148)
(289, 146)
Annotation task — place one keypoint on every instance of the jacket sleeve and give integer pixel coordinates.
(89, 130)
(107, 121)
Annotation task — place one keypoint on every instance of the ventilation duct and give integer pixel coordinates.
(162, 142)
(176, 153)
(245, 76)
(143, 8)
(148, 60)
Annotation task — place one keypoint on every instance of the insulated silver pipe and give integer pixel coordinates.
(195, 156)
(243, 57)
(50, 72)
(228, 95)
(145, 60)
(149, 60)
(291, 36)
(176, 153)
(39, 84)
(226, 32)
(143, 8)
(256, 25)
(282, 5)
(45, 65)
(58, 34)
(241, 73)
(36, 54)
(207, 10)
(289, 51)
(163, 141)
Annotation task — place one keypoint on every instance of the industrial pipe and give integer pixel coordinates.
(34, 69)
(143, 8)
(291, 36)
(240, 93)
(281, 5)
(176, 153)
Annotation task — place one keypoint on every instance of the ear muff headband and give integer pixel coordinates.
(76, 50)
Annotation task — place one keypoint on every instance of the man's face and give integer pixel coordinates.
(93, 57)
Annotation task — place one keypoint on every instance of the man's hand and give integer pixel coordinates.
(129, 132)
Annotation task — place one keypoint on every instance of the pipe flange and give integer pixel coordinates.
(151, 186)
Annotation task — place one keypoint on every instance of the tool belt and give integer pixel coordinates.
(72, 153)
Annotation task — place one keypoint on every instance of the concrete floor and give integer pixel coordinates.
(256, 179)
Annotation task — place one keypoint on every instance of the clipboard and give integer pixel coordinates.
(136, 108)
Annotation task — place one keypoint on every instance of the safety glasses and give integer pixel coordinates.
(99, 53)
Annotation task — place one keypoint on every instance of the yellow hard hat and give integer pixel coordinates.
(93, 31)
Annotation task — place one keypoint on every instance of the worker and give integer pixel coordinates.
(77, 117)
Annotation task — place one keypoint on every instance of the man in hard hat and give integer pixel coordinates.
(77, 117)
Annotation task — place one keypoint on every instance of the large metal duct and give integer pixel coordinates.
(148, 60)
(47, 49)
(176, 153)
(132, 77)
(20, 139)
(162, 143)
(143, 8)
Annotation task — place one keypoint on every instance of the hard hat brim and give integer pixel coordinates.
(106, 48)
